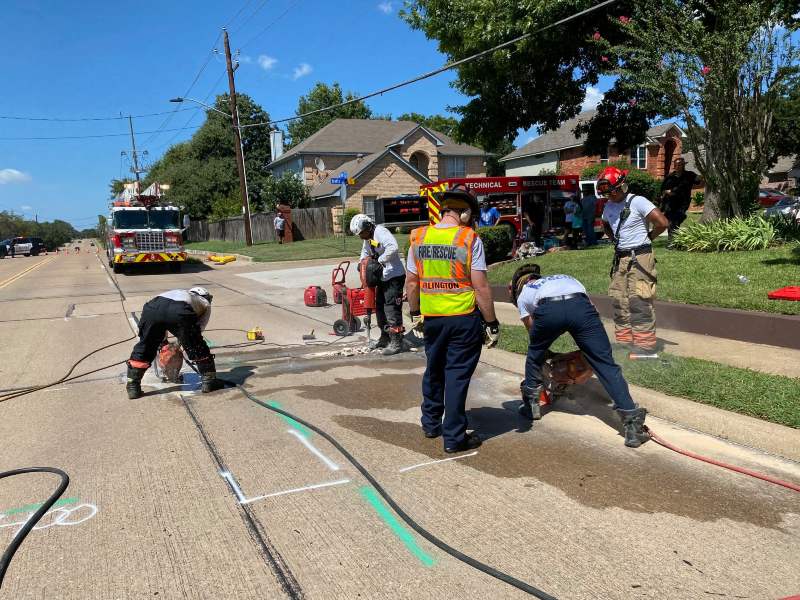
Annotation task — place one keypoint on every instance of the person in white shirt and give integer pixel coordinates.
(550, 306)
(185, 314)
(627, 220)
(280, 227)
(380, 248)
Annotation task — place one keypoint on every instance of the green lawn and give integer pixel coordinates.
(689, 277)
(765, 396)
(307, 249)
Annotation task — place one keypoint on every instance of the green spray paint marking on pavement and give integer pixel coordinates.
(211, 343)
(397, 528)
(33, 507)
(301, 429)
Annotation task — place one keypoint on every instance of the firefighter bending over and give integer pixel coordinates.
(185, 315)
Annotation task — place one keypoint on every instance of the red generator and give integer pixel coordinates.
(338, 281)
(315, 296)
(355, 303)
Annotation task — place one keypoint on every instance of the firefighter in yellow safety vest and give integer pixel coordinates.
(451, 304)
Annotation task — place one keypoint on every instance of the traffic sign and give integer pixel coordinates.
(343, 174)
(338, 180)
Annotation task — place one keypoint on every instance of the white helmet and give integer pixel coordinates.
(360, 223)
(202, 292)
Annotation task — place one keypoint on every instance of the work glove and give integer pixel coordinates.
(417, 324)
(491, 333)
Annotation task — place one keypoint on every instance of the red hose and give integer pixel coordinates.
(742, 470)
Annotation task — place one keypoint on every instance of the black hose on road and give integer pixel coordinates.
(476, 564)
(5, 560)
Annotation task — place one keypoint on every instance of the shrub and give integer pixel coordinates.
(347, 216)
(751, 233)
(699, 198)
(496, 243)
(640, 182)
(787, 228)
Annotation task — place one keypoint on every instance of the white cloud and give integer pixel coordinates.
(266, 62)
(26, 208)
(592, 99)
(302, 70)
(13, 176)
(245, 59)
(385, 7)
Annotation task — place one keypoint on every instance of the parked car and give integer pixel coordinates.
(5, 248)
(768, 197)
(785, 207)
(29, 246)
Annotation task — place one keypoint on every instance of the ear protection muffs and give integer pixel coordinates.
(466, 216)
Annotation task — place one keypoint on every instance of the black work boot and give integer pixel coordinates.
(530, 402)
(632, 423)
(210, 383)
(381, 342)
(395, 344)
(470, 442)
(134, 385)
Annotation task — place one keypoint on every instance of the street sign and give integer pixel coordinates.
(343, 174)
(338, 180)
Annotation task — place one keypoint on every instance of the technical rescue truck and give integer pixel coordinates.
(142, 229)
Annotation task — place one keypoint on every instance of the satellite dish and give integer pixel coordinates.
(319, 163)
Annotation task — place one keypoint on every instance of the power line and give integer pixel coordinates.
(273, 22)
(253, 14)
(446, 67)
(233, 18)
(80, 119)
(87, 137)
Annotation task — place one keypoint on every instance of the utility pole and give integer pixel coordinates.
(248, 234)
(135, 158)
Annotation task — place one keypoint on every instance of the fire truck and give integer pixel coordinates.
(142, 229)
(512, 197)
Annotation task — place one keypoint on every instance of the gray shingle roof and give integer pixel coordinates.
(564, 137)
(354, 168)
(367, 136)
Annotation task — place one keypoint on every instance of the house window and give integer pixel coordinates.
(639, 156)
(604, 156)
(456, 166)
(369, 206)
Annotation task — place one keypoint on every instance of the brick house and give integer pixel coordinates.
(562, 151)
(386, 158)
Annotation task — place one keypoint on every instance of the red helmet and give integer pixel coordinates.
(612, 179)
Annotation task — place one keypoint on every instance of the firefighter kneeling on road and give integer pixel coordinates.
(446, 279)
(550, 306)
(185, 315)
(381, 254)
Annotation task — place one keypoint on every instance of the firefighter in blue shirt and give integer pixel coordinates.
(550, 306)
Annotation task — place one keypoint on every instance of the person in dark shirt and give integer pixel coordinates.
(676, 195)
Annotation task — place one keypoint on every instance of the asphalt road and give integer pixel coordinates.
(184, 495)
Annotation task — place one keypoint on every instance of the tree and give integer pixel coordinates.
(117, 186)
(440, 123)
(786, 133)
(720, 68)
(288, 189)
(202, 171)
(320, 96)
(720, 63)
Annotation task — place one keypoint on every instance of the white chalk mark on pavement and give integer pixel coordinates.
(302, 489)
(433, 462)
(328, 462)
(234, 486)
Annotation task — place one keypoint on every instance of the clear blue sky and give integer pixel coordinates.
(100, 59)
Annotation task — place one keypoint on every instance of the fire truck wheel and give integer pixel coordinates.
(341, 327)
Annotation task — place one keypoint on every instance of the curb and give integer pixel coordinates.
(774, 439)
(239, 257)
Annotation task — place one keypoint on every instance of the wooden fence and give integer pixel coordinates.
(307, 224)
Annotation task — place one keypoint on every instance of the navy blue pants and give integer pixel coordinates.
(453, 347)
(578, 317)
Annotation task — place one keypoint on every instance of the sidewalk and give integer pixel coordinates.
(758, 357)
(754, 433)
